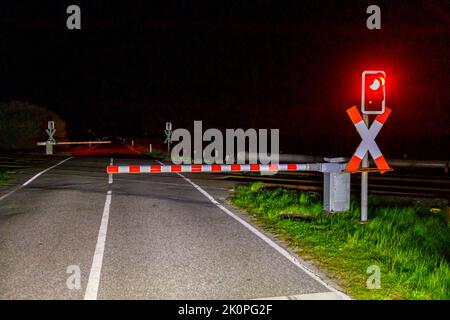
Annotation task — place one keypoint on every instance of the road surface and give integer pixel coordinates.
(140, 236)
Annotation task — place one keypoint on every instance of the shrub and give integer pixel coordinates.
(23, 124)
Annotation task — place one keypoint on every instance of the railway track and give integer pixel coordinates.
(389, 184)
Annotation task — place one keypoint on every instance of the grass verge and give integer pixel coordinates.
(158, 155)
(408, 241)
(5, 175)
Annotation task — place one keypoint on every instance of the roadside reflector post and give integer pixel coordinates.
(336, 185)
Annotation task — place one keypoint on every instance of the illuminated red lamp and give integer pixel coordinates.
(373, 92)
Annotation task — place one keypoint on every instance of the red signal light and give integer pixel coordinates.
(373, 93)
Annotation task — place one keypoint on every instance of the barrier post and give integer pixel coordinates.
(48, 147)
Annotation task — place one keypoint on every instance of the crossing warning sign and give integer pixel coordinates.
(368, 136)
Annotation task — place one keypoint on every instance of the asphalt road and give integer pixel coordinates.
(136, 236)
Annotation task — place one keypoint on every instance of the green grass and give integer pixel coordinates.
(409, 243)
(159, 155)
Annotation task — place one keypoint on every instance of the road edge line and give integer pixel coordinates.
(131, 148)
(33, 178)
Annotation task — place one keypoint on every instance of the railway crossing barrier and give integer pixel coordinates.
(336, 180)
(336, 190)
(49, 144)
(51, 140)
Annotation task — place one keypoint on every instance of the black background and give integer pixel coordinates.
(293, 65)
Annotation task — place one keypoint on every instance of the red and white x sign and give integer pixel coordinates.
(368, 136)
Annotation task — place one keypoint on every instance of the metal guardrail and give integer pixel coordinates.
(399, 163)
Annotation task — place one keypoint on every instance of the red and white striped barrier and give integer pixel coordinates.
(74, 142)
(215, 168)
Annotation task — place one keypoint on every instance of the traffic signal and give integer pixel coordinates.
(373, 95)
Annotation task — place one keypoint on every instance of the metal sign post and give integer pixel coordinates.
(373, 96)
(364, 179)
(51, 140)
(168, 133)
(367, 145)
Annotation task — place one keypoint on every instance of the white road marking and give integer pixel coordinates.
(33, 178)
(94, 147)
(110, 176)
(266, 239)
(96, 268)
(131, 148)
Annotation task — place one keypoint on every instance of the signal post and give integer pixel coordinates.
(373, 101)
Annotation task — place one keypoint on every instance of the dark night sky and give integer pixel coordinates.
(293, 65)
